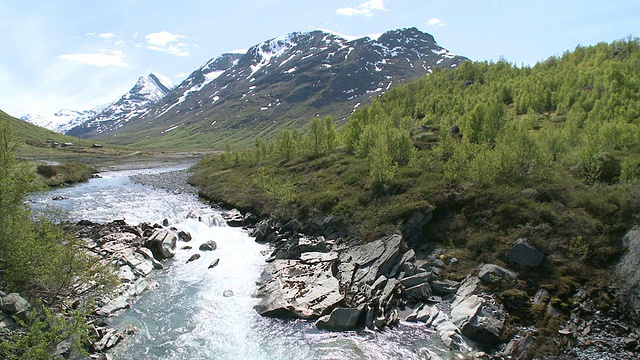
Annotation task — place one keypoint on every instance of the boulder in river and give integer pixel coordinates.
(208, 246)
(291, 289)
(341, 319)
(162, 244)
(194, 257)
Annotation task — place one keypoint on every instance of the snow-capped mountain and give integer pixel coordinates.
(283, 81)
(63, 120)
(147, 91)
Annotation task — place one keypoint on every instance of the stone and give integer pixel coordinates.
(263, 229)
(233, 218)
(477, 314)
(541, 296)
(295, 290)
(208, 246)
(139, 264)
(184, 236)
(418, 279)
(628, 268)
(363, 264)
(149, 255)
(126, 274)
(341, 319)
(444, 287)
(413, 229)
(13, 303)
(194, 257)
(496, 275)
(108, 340)
(418, 292)
(214, 263)
(227, 293)
(522, 253)
(313, 257)
(162, 244)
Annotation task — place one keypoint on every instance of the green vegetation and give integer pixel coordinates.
(41, 262)
(550, 153)
(55, 175)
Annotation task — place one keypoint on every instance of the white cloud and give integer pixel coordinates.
(366, 8)
(107, 35)
(167, 42)
(436, 23)
(115, 58)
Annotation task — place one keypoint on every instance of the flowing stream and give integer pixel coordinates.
(200, 313)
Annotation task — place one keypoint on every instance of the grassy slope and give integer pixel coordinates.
(576, 209)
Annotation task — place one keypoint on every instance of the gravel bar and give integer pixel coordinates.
(174, 181)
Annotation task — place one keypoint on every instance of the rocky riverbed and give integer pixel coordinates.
(173, 181)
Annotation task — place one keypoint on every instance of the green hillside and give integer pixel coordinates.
(550, 153)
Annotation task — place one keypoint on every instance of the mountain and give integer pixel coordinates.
(147, 91)
(63, 120)
(282, 82)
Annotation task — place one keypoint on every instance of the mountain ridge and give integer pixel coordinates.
(282, 82)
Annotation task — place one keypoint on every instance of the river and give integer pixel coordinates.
(200, 313)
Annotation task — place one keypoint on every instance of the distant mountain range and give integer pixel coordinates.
(279, 83)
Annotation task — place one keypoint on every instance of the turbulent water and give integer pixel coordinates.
(200, 313)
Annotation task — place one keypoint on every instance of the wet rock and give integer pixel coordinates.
(194, 257)
(341, 319)
(184, 236)
(233, 218)
(214, 263)
(108, 340)
(522, 253)
(208, 246)
(162, 244)
(496, 275)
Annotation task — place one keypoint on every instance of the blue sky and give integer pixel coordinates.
(64, 54)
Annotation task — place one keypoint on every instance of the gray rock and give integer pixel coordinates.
(126, 274)
(418, 279)
(477, 314)
(146, 252)
(184, 236)
(318, 257)
(524, 254)
(418, 292)
(628, 269)
(444, 287)
(263, 229)
(162, 244)
(341, 319)
(214, 263)
(13, 303)
(194, 257)
(363, 264)
(139, 264)
(496, 275)
(541, 296)
(413, 229)
(208, 246)
(227, 293)
(233, 218)
(295, 290)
